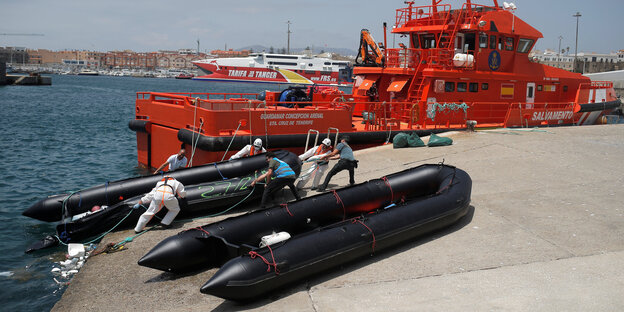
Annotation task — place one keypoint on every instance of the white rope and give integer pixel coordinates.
(194, 142)
(232, 140)
(193, 135)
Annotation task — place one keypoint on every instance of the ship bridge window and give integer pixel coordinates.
(449, 86)
(473, 87)
(415, 42)
(483, 38)
(509, 41)
(485, 86)
(492, 42)
(469, 43)
(461, 87)
(524, 45)
(428, 41)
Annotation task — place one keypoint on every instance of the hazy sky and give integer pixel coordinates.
(150, 25)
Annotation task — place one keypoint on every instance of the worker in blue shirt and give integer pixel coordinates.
(278, 175)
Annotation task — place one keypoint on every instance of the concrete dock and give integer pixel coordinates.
(545, 233)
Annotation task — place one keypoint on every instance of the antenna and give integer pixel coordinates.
(289, 32)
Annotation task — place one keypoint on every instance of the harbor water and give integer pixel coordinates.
(61, 138)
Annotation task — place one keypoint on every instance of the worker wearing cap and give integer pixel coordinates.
(163, 194)
(318, 166)
(250, 150)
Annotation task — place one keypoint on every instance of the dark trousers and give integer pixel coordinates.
(276, 185)
(342, 164)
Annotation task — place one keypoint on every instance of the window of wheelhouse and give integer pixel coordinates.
(524, 45)
(469, 43)
(509, 41)
(483, 38)
(492, 42)
(427, 41)
(473, 87)
(415, 42)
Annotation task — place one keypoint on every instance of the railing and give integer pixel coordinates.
(233, 101)
(402, 58)
(423, 15)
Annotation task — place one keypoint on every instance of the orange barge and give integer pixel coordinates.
(459, 67)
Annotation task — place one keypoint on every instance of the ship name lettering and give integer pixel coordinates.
(265, 74)
(237, 73)
(554, 115)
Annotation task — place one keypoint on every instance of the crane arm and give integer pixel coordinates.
(369, 53)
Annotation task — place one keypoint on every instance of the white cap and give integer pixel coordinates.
(327, 141)
(258, 143)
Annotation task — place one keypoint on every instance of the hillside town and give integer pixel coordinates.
(165, 63)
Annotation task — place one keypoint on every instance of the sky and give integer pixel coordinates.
(152, 25)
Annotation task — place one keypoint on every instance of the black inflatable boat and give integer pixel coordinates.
(201, 199)
(59, 207)
(326, 229)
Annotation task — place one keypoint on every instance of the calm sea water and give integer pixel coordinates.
(65, 137)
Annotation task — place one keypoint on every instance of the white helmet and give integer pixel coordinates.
(327, 141)
(258, 143)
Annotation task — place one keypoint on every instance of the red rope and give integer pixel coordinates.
(339, 201)
(287, 210)
(369, 229)
(385, 179)
(254, 254)
(199, 228)
(446, 187)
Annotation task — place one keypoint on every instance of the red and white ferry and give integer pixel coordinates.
(461, 67)
(276, 68)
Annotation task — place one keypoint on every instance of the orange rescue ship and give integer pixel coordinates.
(467, 66)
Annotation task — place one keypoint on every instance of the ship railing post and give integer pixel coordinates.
(308, 138)
(337, 132)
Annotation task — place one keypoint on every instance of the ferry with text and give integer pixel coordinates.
(276, 68)
(460, 67)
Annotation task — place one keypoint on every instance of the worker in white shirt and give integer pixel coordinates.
(250, 150)
(175, 161)
(318, 167)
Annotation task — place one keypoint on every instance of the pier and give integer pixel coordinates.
(544, 233)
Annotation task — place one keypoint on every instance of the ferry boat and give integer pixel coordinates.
(276, 68)
(463, 67)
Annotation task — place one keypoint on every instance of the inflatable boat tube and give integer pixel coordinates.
(221, 143)
(214, 244)
(58, 207)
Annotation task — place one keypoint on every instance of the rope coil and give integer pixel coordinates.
(254, 254)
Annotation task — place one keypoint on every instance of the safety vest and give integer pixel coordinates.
(283, 170)
(319, 150)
